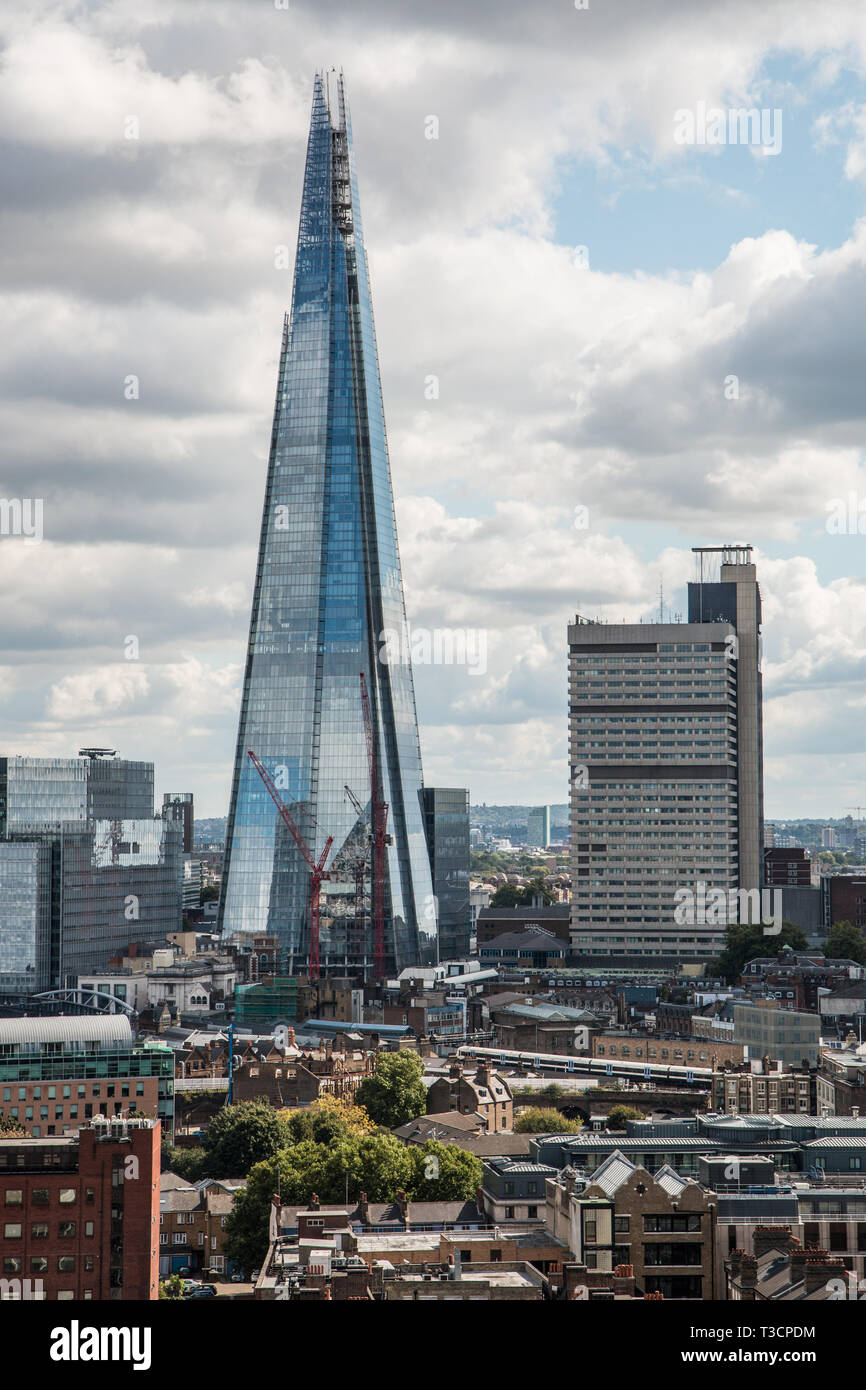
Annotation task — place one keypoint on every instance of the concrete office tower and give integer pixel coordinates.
(327, 607)
(666, 771)
(538, 827)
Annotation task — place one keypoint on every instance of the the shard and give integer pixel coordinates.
(328, 606)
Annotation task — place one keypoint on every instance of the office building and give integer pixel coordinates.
(328, 607)
(538, 827)
(446, 824)
(57, 1073)
(25, 934)
(783, 1035)
(81, 1214)
(179, 806)
(666, 773)
(87, 867)
(787, 868)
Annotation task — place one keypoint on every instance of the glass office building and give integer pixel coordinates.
(446, 821)
(85, 867)
(25, 929)
(327, 606)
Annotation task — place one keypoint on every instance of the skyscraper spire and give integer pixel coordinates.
(328, 590)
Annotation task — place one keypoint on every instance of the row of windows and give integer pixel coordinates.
(13, 1264)
(39, 1230)
(66, 1091)
(625, 1051)
(41, 1196)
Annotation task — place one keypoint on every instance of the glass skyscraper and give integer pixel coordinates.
(327, 606)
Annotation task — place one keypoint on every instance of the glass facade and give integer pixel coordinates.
(446, 820)
(121, 882)
(25, 938)
(42, 793)
(328, 588)
(88, 868)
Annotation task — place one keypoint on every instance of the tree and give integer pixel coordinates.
(537, 887)
(172, 1287)
(377, 1164)
(443, 1173)
(241, 1136)
(744, 941)
(844, 941)
(510, 895)
(210, 894)
(10, 1126)
(191, 1164)
(551, 1092)
(395, 1093)
(507, 895)
(537, 1121)
(327, 1119)
(620, 1113)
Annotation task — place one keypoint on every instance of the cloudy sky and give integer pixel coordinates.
(584, 286)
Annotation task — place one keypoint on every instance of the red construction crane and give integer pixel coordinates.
(379, 818)
(317, 869)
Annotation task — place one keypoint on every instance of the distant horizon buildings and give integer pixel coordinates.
(538, 827)
(328, 598)
(667, 769)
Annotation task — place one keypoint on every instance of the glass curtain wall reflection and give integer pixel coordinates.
(328, 586)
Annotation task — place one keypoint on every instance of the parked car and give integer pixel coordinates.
(203, 1291)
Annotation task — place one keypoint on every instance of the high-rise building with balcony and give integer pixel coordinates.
(327, 607)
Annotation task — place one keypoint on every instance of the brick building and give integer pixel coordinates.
(787, 868)
(80, 1213)
(485, 1094)
(192, 1221)
(764, 1088)
(661, 1225)
(58, 1073)
(631, 1047)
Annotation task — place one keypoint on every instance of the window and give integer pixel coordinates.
(67, 1196)
(509, 1213)
(39, 1230)
(14, 1196)
(89, 1195)
(621, 1225)
(466, 1256)
(89, 1264)
(39, 1196)
(88, 1228)
(65, 1264)
(38, 1264)
(12, 1264)
(66, 1230)
(180, 1238)
(65, 1295)
(12, 1230)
